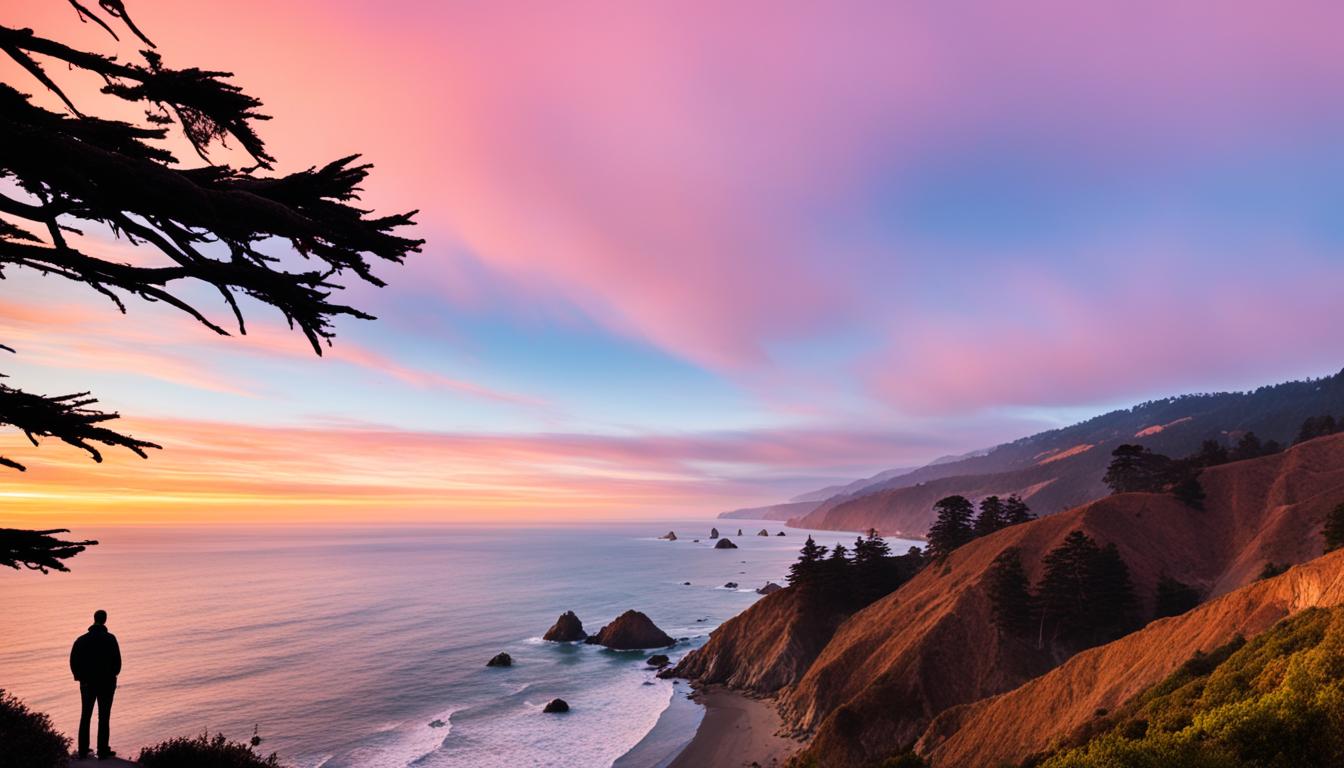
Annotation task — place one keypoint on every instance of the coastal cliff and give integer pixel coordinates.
(866, 686)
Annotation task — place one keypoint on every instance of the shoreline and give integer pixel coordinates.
(736, 731)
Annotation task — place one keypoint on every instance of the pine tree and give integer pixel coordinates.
(1016, 511)
(1009, 593)
(1211, 454)
(1134, 468)
(1110, 596)
(992, 516)
(953, 526)
(1174, 597)
(1062, 593)
(805, 570)
(1189, 491)
(1248, 447)
(874, 569)
(836, 575)
(1334, 529)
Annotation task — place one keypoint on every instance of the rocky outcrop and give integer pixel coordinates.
(762, 532)
(556, 706)
(713, 533)
(669, 536)
(659, 660)
(566, 629)
(739, 531)
(781, 533)
(725, 544)
(630, 631)
(770, 588)
(763, 649)
(500, 660)
(730, 585)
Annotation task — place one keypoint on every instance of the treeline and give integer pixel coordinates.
(848, 578)
(1136, 469)
(957, 522)
(1083, 598)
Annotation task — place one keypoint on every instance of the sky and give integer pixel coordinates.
(684, 257)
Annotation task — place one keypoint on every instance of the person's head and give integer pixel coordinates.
(100, 617)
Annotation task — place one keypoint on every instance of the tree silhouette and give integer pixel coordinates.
(38, 550)
(1174, 597)
(1085, 595)
(952, 527)
(1016, 511)
(1333, 531)
(992, 516)
(1009, 593)
(1134, 468)
(284, 240)
(806, 570)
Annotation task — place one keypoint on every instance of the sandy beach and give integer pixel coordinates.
(736, 731)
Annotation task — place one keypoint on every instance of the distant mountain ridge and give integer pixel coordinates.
(1062, 468)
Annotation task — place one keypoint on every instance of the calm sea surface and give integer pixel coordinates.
(342, 645)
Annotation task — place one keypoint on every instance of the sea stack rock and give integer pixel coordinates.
(556, 706)
(730, 585)
(713, 533)
(725, 544)
(669, 536)
(659, 660)
(566, 629)
(781, 533)
(630, 631)
(500, 660)
(762, 532)
(739, 531)
(769, 589)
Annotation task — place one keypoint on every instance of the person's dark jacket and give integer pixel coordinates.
(96, 656)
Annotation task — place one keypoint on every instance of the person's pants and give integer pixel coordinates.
(99, 691)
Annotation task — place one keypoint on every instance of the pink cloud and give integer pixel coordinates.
(1146, 328)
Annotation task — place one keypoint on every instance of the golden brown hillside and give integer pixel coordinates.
(1030, 718)
(891, 668)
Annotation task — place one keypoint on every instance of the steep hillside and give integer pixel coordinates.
(931, 645)
(1062, 468)
(1027, 720)
(765, 648)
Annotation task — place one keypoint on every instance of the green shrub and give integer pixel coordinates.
(1276, 701)
(27, 739)
(205, 751)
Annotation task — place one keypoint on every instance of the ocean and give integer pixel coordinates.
(365, 647)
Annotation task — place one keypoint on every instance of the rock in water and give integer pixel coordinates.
(739, 531)
(730, 585)
(437, 724)
(500, 660)
(725, 544)
(659, 660)
(769, 588)
(669, 536)
(566, 629)
(762, 532)
(556, 705)
(713, 533)
(781, 533)
(631, 630)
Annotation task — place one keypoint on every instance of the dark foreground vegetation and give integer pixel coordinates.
(28, 740)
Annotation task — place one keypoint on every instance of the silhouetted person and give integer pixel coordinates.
(95, 661)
